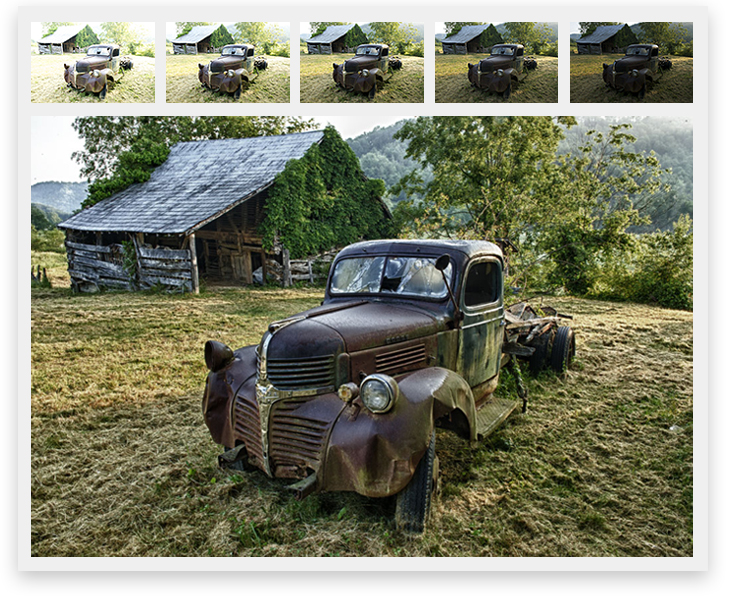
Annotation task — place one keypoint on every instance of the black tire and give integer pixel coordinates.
(102, 93)
(641, 93)
(414, 501)
(563, 349)
(507, 92)
(236, 93)
(372, 92)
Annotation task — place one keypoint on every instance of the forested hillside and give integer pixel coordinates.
(64, 197)
(671, 139)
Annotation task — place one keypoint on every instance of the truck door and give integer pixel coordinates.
(115, 60)
(481, 331)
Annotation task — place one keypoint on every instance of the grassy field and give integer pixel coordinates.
(452, 85)
(587, 85)
(600, 465)
(47, 84)
(271, 86)
(317, 85)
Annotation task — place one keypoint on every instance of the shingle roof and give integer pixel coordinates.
(196, 34)
(62, 34)
(199, 181)
(601, 34)
(466, 34)
(331, 34)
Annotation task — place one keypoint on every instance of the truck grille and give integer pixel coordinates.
(294, 374)
(295, 440)
(248, 428)
(401, 359)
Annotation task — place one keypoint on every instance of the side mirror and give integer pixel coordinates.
(442, 262)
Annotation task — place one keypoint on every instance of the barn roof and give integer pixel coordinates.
(62, 34)
(331, 34)
(199, 181)
(601, 34)
(197, 34)
(465, 35)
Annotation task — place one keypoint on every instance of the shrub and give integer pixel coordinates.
(47, 240)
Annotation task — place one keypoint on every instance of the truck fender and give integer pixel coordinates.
(377, 454)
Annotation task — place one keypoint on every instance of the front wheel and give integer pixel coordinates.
(102, 93)
(236, 93)
(507, 92)
(414, 501)
(641, 93)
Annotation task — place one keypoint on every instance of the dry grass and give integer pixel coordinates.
(317, 85)
(47, 84)
(586, 84)
(601, 465)
(452, 85)
(271, 85)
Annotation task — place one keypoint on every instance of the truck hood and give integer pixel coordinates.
(225, 62)
(90, 63)
(628, 63)
(360, 62)
(495, 62)
(348, 327)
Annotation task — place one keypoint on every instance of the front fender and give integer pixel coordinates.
(220, 391)
(376, 454)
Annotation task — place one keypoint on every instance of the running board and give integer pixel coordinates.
(492, 415)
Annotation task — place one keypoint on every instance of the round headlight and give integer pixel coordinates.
(378, 392)
(365, 73)
(96, 73)
(500, 73)
(634, 72)
(230, 74)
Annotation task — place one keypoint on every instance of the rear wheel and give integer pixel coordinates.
(563, 349)
(414, 501)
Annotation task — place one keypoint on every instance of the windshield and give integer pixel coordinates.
(367, 51)
(234, 52)
(98, 51)
(393, 275)
(503, 51)
(637, 52)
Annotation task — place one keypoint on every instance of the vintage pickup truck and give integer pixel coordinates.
(505, 66)
(232, 72)
(368, 71)
(633, 72)
(346, 396)
(98, 71)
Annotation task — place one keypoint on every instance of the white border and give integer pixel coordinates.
(412, 11)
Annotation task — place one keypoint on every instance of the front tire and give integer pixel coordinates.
(102, 93)
(414, 501)
(507, 92)
(236, 93)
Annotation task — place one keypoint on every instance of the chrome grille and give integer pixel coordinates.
(294, 374)
(400, 359)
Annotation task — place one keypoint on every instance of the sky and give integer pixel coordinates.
(53, 140)
(171, 27)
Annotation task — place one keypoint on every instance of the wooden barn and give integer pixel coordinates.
(331, 40)
(196, 41)
(469, 40)
(61, 41)
(607, 39)
(197, 216)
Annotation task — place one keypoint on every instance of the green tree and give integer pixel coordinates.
(51, 26)
(668, 36)
(39, 219)
(122, 34)
(86, 37)
(397, 35)
(264, 36)
(121, 150)
(184, 27)
(531, 35)
(354, 37)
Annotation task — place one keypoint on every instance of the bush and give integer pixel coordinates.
(657, 269)
(411, 49)
(47, 240)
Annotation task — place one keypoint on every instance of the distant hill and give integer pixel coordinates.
(65, 198)
(553, 26)
(44, 217)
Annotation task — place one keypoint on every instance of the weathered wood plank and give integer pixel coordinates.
(165, 265)
(86, 247)
(153, 272)
(164, 253)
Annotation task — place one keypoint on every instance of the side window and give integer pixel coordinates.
(482, 284)
(654, 52)
(250, 51)
(384, 51)
(520, 51)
